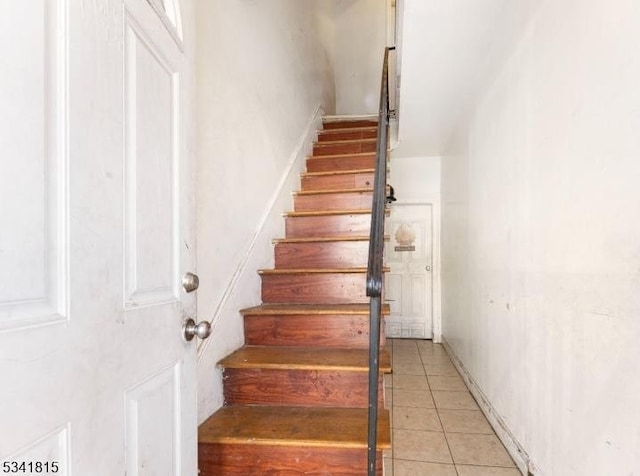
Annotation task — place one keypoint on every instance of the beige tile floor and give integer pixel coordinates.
(437, 427)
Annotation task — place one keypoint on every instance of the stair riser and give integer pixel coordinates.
(328, 288)
(325, 388)
(333, 254)
(305, 330)
(334, 135)
(333, 201)
(337, 182)
(329, 225)
(328, 164)
(260, 460)
(350, 124)
(324, 148)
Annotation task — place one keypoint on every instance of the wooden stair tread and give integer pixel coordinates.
(330, 123)
(325, 239)
(342, 156)
(337, 172)
(304, 358)
(293, 426)
(325, 192)
(317, 309)
(312, 213)
(344, 141)
(343, 118)
(347, 129)
(315, 270)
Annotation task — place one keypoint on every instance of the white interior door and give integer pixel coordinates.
(409, 285)
(97, 230)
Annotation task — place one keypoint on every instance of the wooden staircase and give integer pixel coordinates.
(296, 394)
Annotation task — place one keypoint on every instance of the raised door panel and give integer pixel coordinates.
(34, 237)
(33, 281)
(153, 425)
(393, 292)
(49, 455)
(151, 171)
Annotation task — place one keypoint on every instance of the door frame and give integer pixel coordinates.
(436, 301)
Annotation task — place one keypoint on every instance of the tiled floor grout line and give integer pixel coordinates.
(438, 410)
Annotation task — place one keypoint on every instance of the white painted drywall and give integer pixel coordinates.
(415, 178)
(263, 79)
(541, 239)
(359, 27)
(448, 51)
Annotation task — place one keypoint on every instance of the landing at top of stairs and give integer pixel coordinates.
(337, 122)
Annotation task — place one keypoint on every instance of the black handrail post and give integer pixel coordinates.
(374, 269)
(374, 368)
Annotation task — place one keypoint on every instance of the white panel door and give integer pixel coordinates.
(96, 206)
(408, 284)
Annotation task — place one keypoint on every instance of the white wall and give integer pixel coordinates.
(359, 27)
(541, 239)
(263, 80)
(448, 50)
(415, 178)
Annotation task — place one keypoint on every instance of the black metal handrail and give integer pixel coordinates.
(375, 266)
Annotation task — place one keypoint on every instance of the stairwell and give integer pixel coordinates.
(296, 394)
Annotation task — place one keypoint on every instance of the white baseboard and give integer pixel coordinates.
(515, 449)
